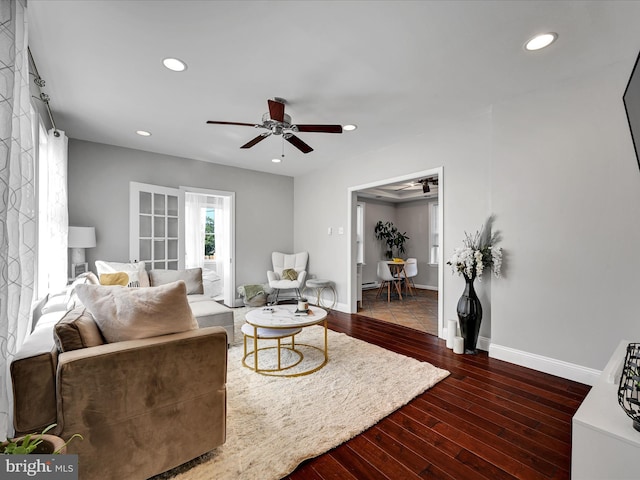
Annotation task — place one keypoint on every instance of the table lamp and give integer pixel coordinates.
(79, 239)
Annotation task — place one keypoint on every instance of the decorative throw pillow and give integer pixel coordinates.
(77, 329)
(131, 313)
(119, 278)
(137, 273)
(72, 300)
(191, 276)
(289, 274)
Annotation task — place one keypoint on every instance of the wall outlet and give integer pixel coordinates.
(340, 231)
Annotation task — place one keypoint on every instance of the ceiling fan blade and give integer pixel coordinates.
(276, 110)
(407, 187)
(233, 123)
(320, 128)
(258, 139)
(299, 144)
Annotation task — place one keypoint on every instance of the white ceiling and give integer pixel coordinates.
(393, 68)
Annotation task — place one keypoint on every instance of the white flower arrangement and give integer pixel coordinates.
(475, 256)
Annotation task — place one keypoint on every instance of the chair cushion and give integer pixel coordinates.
(318, 283)
(284, 284)
(132, 313)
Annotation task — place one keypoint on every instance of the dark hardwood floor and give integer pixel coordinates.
(488, 420)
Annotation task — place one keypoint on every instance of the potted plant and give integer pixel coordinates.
(35, 443)
(392, 237)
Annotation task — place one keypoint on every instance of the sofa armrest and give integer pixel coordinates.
(157, 393)
(272, 276)
(301, 276)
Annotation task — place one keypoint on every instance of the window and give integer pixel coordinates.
(360, 232)
(434, 234)
(210, 234)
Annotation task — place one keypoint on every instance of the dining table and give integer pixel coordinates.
(398, 271)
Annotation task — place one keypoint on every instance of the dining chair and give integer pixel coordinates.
(410, 271)
(387, 278)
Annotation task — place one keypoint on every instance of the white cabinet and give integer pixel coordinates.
(604, 443)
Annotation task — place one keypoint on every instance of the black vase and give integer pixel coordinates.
(470, 316)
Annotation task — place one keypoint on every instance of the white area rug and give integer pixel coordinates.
(273, 424)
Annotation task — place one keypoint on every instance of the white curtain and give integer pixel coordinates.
(223, 248)
(57, 222)
(195, 220)
(17, 196)
(215, 273)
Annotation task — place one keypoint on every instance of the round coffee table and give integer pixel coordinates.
(276, 323)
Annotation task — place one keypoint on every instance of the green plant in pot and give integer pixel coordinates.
(391, 236)
(36, 443)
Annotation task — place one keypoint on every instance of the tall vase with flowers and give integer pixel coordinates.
(477, 254)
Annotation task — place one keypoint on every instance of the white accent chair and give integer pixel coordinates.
(410, 271)
(387, 278)
(282, 262)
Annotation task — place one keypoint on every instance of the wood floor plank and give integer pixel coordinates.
(488, 420)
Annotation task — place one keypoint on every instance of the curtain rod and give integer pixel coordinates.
(44, 98)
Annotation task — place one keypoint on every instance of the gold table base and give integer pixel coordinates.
(277, 372)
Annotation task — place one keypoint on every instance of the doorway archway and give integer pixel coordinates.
(352, 254)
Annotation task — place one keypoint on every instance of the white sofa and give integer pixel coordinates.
(207, 311)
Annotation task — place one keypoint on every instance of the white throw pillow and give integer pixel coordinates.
(191, 276)
(137, 273)
(124, 313)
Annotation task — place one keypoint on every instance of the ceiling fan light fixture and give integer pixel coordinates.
(174, 64)
(349, 127)
(540, 41)
(143, 133)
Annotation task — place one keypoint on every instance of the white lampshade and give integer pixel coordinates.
(82, 237)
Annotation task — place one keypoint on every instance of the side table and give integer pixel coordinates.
(320, 285)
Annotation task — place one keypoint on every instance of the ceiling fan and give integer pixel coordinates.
(276, 122)
(424, 183)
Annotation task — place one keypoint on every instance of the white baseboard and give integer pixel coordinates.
(484, 343)
(427, 287)
(552, 366)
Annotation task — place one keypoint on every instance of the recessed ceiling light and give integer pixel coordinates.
(349, 128)
(143, 133)
(276, 160)
(174, 64)
(540, 41)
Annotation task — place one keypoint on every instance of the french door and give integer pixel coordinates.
(154, 227)
(157, 225)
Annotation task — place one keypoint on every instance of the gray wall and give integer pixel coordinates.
(558, 170)
(99, 177)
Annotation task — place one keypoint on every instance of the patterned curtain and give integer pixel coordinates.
(195, 215)
(17, 196)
